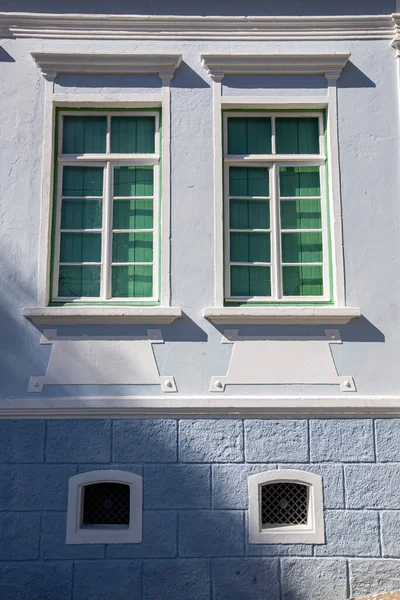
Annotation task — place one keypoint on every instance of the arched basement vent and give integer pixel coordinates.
(284, 504)
(105, 507)
(106, 503)
(286, 507)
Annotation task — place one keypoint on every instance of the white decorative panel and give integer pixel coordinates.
(280, 360)
(102, 361)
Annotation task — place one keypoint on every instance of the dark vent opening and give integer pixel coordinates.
(106, 504)
(284, 504)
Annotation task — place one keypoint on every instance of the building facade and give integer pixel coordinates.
(200, 301)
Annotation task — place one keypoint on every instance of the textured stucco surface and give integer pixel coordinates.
(195, 537)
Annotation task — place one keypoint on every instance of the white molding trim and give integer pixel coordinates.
(76, 534)
(298, 315)
(53, 64)
(140, 27)
(219, 65)
(72, 315)
(249, 407)
(311, 533)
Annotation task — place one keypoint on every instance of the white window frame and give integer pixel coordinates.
(108, 161)
(273, 161)
(311, 533)
(76, 534)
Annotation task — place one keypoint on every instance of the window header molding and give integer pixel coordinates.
(329, 65)
(51, 64)
(101, 26)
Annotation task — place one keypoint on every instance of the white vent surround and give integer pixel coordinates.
(309, 532)
(107, 534)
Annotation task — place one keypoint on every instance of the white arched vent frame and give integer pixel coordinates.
(76, 534)
(311, 533)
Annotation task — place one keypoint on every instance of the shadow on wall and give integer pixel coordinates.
(207, 7)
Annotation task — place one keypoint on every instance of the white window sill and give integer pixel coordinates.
(70, 315)
(296, 315)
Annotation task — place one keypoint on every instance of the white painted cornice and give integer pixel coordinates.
(52, 64)
(247, 407)
(73, 315)
(84, 26)
(283, 315)
(219, 65)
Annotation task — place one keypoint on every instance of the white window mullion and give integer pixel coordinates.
(107, 234)
(276, 285)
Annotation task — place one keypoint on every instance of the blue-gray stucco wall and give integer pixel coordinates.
(195, 541)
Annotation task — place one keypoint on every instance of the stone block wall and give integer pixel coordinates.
(195, 540)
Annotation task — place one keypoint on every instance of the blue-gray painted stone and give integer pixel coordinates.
(53, 544)
(36, 581)
(211, 533)
(230, 484)
(78, 441)
(116, 579)
(390, 527)
(19, 536)
(203, 440)
(372, 486)
(388, 440)
(176, 580)
(319, 579)
(332, 481)
(145, 441)
(22, 441)
(177, 486)
(270, 441)
(342, 440)
(246, 579)
(34, 487)
(373, 576)
(350, 533)
(159, 538)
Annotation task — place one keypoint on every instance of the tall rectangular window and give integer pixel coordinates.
(106, 234)
(275, 208)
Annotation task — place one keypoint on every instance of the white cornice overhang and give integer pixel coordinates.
(101, 315)
(396, 41)
(84, 26)
(219, 65)
(52, 64)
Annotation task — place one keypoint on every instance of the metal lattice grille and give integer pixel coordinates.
(284, 504)
(106, 504)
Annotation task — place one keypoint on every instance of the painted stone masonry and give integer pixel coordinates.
(195, 540)
(199, 307)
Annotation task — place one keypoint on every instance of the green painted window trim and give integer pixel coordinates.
(112, 302)
(330, 302)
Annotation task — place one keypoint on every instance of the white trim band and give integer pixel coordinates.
(139, 27)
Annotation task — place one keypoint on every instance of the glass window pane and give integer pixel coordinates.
(299, 181)
(76, 281)
(82, 181)
(132, 134)
(248, 181)
(81, 214)
(132, 281)
(132, 247)
(302, 281)
(297, 135)
(80, 247)
(301, 247)
(301, 214)
(133, 181)
(249, 214)
(250, 281)
(133, 214)
(249, 135)
(250, 247)
(84, 135)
